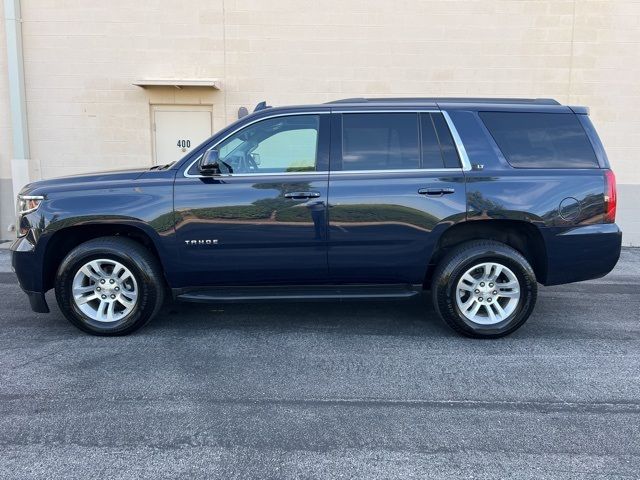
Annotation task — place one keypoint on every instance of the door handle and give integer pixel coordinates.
(301, 195)
(436, 192)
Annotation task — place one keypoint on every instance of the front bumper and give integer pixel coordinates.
(581, 253)
(37, 301)
(28, 267)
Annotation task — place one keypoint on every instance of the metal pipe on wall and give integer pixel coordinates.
(17, 99)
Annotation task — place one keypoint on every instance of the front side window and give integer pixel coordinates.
(380, 141)
(275, 145)
(541, 140)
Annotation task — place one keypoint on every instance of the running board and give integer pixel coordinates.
(297, 293)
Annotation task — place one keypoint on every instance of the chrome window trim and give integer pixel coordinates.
(403, 170)
(264, 174)
(462, 152)
(334, 172)
(275, 115)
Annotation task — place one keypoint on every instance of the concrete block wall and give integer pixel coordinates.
(81, 58)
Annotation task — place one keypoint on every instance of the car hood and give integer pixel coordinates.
(79, 181)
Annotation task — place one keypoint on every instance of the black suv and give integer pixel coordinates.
(477, 200)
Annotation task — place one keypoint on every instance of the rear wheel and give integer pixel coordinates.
(484, 289)
(109, 286)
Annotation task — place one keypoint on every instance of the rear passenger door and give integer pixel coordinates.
(395, 180)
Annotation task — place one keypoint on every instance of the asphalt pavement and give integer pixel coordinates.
(326, 390)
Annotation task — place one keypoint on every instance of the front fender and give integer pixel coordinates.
(67, 217)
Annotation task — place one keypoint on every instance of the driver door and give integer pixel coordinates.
(263, 219)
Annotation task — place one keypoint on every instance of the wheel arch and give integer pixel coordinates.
(62, 241)
(523, 236)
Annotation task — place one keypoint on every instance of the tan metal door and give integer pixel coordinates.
(178, 129)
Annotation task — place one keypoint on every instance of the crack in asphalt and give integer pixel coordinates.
(630, 406)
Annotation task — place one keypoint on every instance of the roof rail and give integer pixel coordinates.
(350, 100)
(524, 101)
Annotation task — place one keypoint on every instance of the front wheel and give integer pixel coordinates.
(484, 289)
(109, 286)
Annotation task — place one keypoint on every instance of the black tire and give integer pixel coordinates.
(458, 261)
(141, 263)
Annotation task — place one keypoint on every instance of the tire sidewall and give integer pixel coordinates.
(146, 293)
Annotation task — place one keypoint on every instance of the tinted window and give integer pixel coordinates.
(449, 150)
(380, 141)
(290, 150)
(541, 140)
(280, 144)
(438, 149)
(431, 153)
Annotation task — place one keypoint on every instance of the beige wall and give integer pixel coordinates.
(82, 56)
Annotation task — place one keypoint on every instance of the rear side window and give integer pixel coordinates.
(438, 149)
(380, 141)
(541, 140)
(397, 141)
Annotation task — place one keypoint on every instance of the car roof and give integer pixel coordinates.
(439, 103)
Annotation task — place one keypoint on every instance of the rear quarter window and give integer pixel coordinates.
(541, 140)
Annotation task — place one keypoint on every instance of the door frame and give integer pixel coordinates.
(174, 107)
(191, 192)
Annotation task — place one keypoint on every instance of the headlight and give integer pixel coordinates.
(28, 203)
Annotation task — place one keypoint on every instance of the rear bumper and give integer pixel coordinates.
(28, 268)
(581, 253)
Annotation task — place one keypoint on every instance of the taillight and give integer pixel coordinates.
(610, 196)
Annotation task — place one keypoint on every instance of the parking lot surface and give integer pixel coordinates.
(326, 390)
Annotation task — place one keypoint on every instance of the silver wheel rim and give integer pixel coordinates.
(488, 293)
(105, 290)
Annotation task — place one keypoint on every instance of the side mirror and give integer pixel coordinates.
(210, 163)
